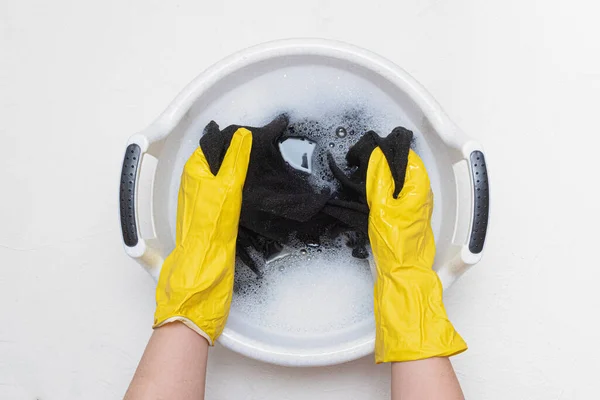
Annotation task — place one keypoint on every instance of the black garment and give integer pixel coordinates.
(279, 200)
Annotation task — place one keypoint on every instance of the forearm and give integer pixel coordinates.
(173, 366)
(431, 378)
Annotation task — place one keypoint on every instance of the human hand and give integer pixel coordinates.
(411, 322)
(196, 281)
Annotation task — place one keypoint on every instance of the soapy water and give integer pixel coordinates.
(321, 289)
(309, 290)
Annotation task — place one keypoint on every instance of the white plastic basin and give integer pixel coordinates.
(306, 75)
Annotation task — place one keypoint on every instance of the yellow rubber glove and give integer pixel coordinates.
(411, 322)
(196, 281)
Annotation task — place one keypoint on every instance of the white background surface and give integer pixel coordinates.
(77, 79)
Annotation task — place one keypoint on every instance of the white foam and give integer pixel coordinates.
(306, 293)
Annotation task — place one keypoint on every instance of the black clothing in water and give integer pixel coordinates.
(279, 200)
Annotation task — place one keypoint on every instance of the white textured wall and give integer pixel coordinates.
(76, 79)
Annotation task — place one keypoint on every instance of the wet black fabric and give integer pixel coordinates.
(279, 201)
(349, 205)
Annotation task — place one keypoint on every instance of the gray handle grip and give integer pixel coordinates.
(129, 173)
(481, 202)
